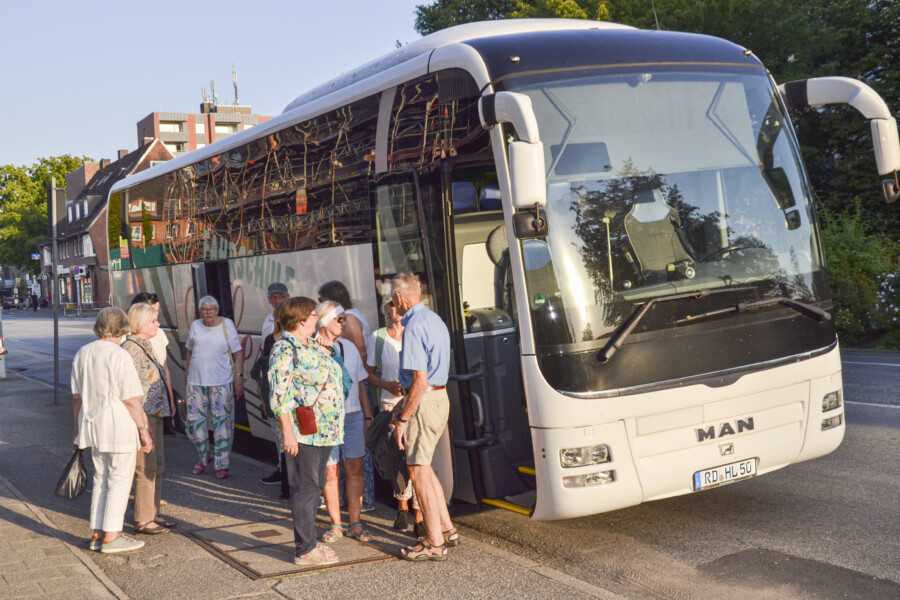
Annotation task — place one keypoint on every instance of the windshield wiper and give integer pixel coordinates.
(810, 310)
(625, 329)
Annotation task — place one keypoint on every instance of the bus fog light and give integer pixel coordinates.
(597, 478)
(584, 456)
(831, 401)
(832, 422)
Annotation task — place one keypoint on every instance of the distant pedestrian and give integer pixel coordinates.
(422, 418)
(109, 419)
(277, 294)
(157, 405)
(302, 375)
(34, 302)
(214, 373)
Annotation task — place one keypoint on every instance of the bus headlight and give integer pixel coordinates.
(831, 401)
(832, 422)
(589, 479)
(584, 456)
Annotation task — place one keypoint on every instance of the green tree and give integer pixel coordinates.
(114, 220)
(447, 13)
(23, 206)
(146, 226)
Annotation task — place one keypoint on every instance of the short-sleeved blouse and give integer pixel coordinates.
(103, 374)
(314, 375)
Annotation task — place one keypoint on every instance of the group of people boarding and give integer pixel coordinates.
(317, 359)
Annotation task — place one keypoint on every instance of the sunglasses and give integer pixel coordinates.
(341, 319)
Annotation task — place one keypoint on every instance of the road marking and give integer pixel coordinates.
(850, 362)
(871, 404)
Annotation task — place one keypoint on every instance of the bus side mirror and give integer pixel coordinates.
(528, 182)
(891, 189)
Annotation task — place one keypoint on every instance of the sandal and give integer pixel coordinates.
(424, 551)
(150, 528)
(363, 536)
(451, 537)
(199, 467)
(334, 533)
(221, 473)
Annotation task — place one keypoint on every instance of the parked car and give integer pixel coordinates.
(10, 302)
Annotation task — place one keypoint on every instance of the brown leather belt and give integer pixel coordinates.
(430, 388)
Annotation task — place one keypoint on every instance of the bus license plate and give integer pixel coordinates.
(724, 474)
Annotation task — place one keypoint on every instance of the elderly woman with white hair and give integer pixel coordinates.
(357, 418)
(109, 419)
(213, 369)
(157, 406)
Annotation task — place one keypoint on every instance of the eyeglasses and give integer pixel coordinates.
(391, 303)
(341, 320)
(208, 309)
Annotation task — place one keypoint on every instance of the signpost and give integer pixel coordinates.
(53, 213)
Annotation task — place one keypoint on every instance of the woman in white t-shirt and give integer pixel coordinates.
(214, 356)
(383, 364)
(110, 420)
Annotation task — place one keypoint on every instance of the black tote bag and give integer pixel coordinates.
(73, 480)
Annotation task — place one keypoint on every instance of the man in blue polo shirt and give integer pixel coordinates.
(420, 419)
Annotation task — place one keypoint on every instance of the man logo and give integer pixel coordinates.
(726, 428)
(726, 449)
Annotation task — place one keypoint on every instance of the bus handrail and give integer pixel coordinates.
(484, 440)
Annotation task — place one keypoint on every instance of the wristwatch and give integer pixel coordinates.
(402, 420)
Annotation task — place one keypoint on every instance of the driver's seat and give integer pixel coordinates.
(654, 231)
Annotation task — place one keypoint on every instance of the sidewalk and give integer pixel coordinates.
(43, 553)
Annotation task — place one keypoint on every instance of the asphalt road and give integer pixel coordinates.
(828, 528)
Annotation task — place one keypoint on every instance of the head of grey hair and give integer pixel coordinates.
(208, 301)
(111, 323)
(407, 285)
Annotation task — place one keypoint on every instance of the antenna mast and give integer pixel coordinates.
(234, 79)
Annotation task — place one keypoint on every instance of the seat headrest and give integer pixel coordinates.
(649, 206)
(463, 196)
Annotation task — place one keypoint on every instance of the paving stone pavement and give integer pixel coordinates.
(35, 562)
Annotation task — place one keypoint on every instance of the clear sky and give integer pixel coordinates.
(76, 77)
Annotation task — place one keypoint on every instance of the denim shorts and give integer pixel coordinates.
(354, 445)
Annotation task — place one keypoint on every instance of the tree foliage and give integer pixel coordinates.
(114, 220)
(23, 206)
(795, 39)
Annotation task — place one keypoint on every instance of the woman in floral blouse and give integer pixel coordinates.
(302, 374)
(157, 404)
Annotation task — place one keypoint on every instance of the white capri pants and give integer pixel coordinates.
(113, 474)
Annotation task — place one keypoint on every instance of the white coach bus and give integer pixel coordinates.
(615, 224)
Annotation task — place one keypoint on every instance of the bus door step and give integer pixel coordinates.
(521, 503)
(526, 470)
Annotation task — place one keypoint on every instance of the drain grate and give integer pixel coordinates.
(265, 533)
(266, 550)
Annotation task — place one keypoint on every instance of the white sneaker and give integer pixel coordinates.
(123, 543)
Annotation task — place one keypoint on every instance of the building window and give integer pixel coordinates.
(69, 209)
(136, 232)
(200, 145)
(201, 128)
(169, 127)
(87, 245)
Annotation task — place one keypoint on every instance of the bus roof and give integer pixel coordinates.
(451, 35)
(293, 114)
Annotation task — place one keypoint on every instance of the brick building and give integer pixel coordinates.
(83, 261)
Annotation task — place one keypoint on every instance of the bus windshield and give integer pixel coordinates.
(661, 182)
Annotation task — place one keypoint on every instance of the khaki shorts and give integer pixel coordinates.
(426, 427)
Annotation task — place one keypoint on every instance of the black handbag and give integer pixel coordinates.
(73, 480)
